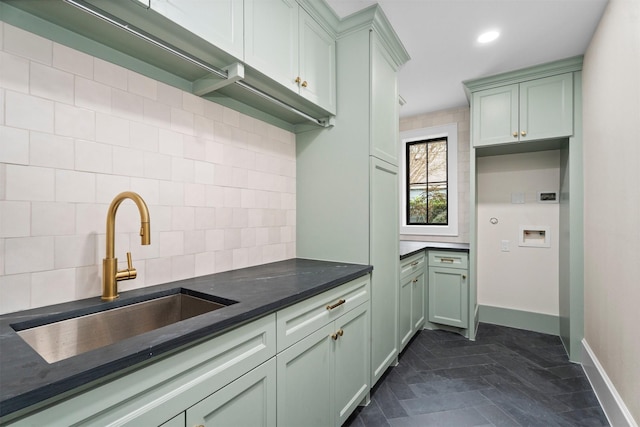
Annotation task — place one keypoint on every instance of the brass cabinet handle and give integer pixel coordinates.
(298, 80)
(305, 84)
(339, 303)
(414, 281)
(337, 334)
(464, 276)
(523, 133)
(447, 260)
(515, 134)
(414, 263)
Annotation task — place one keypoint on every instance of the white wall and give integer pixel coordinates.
(524, 278)
(76, 130)
(461, 117)
(611, 112)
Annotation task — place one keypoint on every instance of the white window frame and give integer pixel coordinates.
(450, 131)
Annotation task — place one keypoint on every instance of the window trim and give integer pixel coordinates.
(449, 131)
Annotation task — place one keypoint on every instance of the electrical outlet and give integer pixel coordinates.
(504, 246)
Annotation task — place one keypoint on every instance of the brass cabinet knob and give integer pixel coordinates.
(298, 80)
(464, 276)
(515, 134)
(305, 84)
(337, 334)
(523, 133)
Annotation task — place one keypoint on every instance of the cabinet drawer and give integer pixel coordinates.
(411, 265)
(448, 259)
(296, 322)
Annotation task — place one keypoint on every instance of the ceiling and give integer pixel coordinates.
(440, 36)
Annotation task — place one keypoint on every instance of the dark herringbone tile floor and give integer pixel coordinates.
(507, 377)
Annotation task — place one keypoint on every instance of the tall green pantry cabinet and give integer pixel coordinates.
(347, 175)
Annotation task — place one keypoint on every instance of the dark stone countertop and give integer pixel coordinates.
(27, 379)
(411, 247)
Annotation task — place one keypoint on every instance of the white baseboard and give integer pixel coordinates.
(614, 407)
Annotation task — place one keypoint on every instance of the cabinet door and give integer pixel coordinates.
(495, 116)
(220, 22)
(351, 361)
(448, 296)
(383, 249)
(384, 104)
(546, 108)
(248, 401)
(271, 39)
(317, 63)
(305, 381)
(177, 421)
(405, 330)
(417, 302)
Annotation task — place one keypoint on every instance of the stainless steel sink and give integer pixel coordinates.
(66, 338)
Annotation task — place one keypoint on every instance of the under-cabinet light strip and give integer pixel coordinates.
(147, 37)
(280, 103)
(175, 51)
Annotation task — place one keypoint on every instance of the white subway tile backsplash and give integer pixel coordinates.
(112, 130)
(92, 95)
(28, 112)
(144, 137)
(128, 162)
(72, 186)
(193, 103)
(15, 292)
(93, 156)
(220, 186)
(72, 61)
(203, 127)
(75, 251)
(27, 45)
(127, 105)
(157, 166)
(170, 142)
(1, 106)
(52, 219)
(14, 72)
(194, 195)
(171, 243)
(88, 282)
(28, 254)
(15, 219)
(29, 183)
(14, 145)
(53, 287)
(169, 95)
(109, 74)
(50, 83)
(141, 85)
(75, 122)
(51, 150)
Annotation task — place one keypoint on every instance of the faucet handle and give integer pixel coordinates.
(129, 273)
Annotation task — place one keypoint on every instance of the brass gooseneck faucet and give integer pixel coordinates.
(110, 273)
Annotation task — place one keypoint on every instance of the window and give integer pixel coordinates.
(429, 181)
(426, 177)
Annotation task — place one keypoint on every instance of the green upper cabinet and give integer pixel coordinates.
(531, 110)
(286, 44)
(384, 104)
(219, 22)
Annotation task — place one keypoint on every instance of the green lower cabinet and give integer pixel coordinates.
(405, 331)
(448, 296)
(248, 401)
(324, 376)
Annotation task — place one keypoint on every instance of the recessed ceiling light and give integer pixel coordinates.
(488, 37)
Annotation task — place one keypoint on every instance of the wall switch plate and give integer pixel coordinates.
(504, 246)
